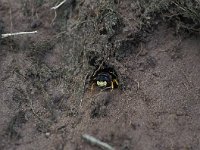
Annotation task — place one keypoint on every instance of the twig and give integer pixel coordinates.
(56, 7)
(141, 49)
(60, 4)
(17, 33)
(98, 68)
(92, 140)
(55, 15)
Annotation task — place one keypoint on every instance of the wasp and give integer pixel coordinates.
(105, 79)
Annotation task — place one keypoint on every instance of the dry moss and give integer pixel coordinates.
(183, 14)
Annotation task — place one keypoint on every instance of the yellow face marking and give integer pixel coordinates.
(101, 83)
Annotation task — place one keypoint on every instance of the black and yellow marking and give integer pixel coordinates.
(105, 79)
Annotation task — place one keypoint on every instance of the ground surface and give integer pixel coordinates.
(43, 100)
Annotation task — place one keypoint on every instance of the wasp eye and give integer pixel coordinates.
(101, 83)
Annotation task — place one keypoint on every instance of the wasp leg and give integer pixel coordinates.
(112, 85)
(115, 81)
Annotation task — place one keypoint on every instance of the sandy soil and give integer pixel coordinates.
(43, 102)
